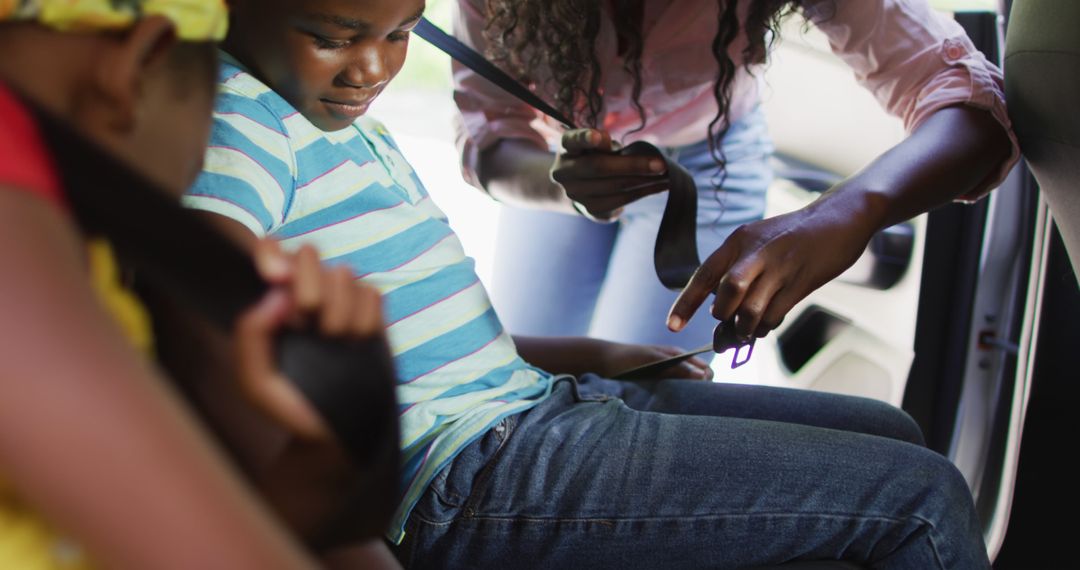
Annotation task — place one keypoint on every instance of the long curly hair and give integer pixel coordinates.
(556, 39)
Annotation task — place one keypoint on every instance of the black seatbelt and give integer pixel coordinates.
(469, 57)
(675, 255)
(350, 383)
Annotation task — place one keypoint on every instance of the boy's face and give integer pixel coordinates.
(328, 58)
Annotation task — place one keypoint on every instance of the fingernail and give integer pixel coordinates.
(675, 323)
(594, 138)
(656, 165)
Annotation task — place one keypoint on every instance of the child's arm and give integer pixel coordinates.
(578, 355)
(283, 447)
(89, 432)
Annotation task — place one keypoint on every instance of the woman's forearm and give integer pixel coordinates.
(517, 172)
(950, 155)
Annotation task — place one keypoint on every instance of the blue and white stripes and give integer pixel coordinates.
(354, 196)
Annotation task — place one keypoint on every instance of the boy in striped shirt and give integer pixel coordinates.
(506, 464)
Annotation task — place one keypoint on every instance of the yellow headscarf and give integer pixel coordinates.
(195, 20)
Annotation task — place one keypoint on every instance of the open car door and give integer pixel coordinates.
(958, 316)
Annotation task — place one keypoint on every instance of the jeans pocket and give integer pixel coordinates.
(450, 490)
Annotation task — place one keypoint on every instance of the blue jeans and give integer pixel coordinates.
(684, 474)
(562, 275)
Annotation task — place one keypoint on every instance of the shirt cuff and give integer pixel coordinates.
(973, 82)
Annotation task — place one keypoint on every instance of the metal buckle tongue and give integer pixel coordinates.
(725, 339)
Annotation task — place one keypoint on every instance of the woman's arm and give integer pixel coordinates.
(765, 268)
(92, 436)
(507, 155)
(921, 67)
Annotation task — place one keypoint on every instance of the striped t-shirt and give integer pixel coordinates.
(353, 195)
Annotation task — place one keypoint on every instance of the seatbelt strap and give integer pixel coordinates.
(470, 58)
(675, 254)
(350, 383)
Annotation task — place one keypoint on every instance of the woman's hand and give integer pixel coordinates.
(303, 293)
(601, 181)
(763, 269)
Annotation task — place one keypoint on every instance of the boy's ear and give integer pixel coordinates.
(123, 66)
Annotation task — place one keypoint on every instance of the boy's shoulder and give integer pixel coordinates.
(241, 93)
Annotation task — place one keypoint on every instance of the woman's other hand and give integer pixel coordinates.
(763, 269)
(601, 181)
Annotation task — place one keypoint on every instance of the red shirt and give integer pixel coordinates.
(24, 160)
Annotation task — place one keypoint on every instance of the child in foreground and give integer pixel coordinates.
(100, 463)
(507, 464)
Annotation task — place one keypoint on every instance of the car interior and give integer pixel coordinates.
(966, 317)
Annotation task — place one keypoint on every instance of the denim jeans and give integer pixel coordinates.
(563, 275)
(684, 474)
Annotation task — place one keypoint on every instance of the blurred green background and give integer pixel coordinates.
(427, 67)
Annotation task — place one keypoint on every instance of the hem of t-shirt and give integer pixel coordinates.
(397, 533)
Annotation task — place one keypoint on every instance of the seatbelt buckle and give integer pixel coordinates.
(725, 339)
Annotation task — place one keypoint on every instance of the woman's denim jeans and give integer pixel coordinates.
(685, 474)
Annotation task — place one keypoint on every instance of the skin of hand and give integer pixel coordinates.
(579, 355)
(601, 181)
(306, 481)
(288, 453)
(765, 268)
(519, 172)
(303, 292)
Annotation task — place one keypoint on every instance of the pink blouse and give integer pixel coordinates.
(912, 58)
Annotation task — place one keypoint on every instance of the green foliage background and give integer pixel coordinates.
(427, 67)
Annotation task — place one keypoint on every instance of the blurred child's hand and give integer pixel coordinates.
(601, 181)
(304, 293)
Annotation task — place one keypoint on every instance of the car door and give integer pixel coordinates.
(943, 314)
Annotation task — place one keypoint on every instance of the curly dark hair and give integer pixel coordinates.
(559, 36)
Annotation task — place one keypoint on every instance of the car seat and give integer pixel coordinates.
(1042, 87)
